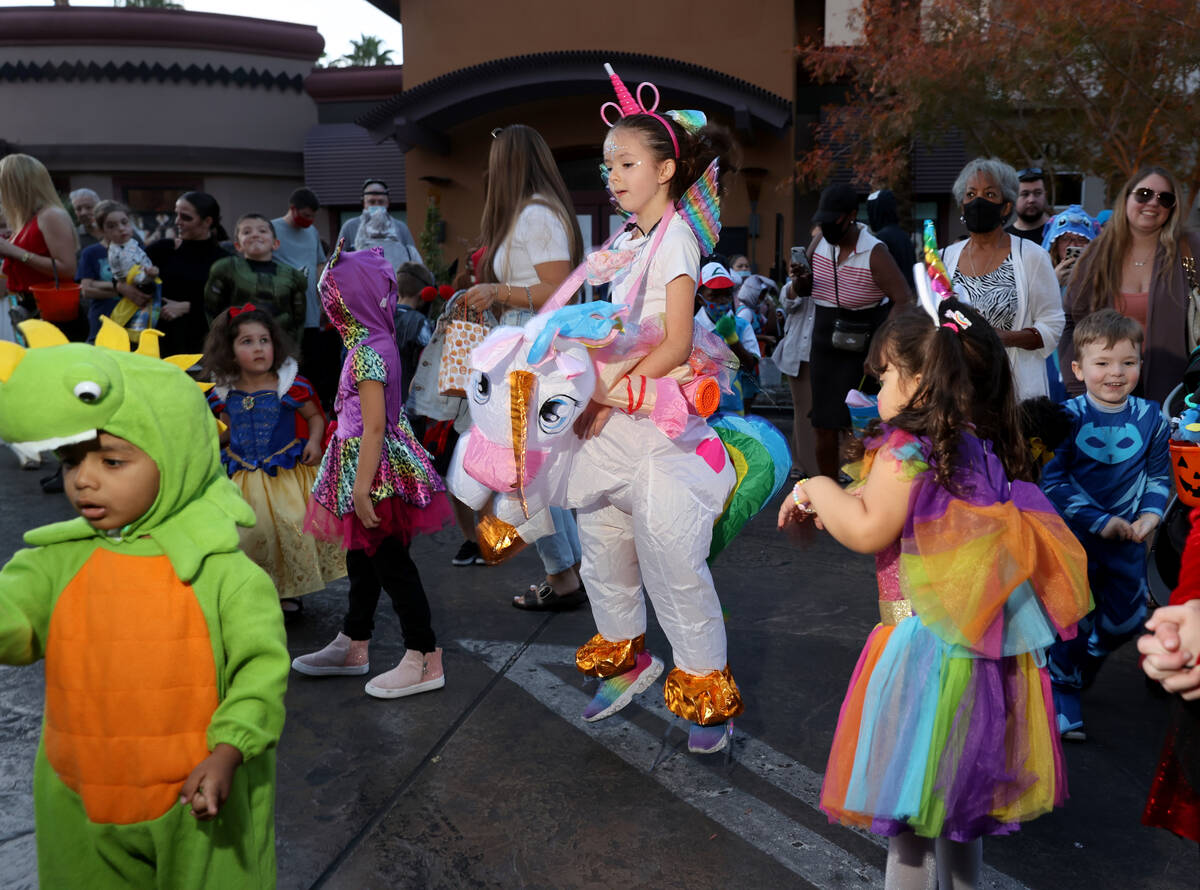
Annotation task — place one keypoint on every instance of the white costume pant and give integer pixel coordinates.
(646, 508)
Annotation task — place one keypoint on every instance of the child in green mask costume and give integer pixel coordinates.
(165, 656)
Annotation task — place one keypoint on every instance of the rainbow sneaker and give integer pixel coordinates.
(709, 739)
(616, 692)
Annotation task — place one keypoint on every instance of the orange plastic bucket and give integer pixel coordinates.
(57, 303)
(1185, 461)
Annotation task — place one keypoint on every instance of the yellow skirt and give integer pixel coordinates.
(297, 562)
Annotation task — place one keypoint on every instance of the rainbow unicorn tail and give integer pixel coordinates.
(762, 458)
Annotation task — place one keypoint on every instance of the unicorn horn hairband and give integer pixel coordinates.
(933, 284)
(626, 105)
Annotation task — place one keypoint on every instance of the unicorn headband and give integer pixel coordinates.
(626, 105)
(933, 284)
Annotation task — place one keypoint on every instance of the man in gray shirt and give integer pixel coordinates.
(300, 246)
(375, 194)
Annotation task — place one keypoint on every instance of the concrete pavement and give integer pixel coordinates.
(494, 782)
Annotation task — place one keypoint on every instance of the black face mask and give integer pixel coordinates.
(982, 215)
(834, 232)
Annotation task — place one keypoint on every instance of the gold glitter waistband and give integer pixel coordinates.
(892, 612)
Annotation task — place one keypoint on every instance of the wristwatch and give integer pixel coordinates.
(25, 255)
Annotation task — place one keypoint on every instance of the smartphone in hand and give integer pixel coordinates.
(800, 258)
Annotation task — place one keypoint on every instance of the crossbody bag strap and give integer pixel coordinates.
(836, 298)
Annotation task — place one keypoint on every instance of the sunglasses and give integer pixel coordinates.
(1029, 171)
(1166, 200)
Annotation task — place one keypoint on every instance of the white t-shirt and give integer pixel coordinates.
(538, 236)
(678, 254)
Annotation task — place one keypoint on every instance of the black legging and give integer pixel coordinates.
(389, 568)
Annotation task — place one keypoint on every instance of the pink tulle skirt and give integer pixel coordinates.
(397, 519)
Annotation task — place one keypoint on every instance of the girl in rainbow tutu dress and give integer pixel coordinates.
(947, 731)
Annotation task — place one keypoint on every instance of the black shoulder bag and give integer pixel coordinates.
(849, 336)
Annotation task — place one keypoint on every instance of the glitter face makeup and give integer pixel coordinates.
(632, 173)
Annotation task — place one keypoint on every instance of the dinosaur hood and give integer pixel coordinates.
(57, 393)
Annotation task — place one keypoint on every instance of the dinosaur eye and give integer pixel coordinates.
(481, 388)
(556, 413)
(87, 391)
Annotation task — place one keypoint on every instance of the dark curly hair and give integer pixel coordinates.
(965, 381)
(696, 150)
(220, 364)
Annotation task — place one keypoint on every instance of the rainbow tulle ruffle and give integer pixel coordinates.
(948, 727)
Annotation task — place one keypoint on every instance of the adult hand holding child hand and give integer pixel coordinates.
(1171, 648)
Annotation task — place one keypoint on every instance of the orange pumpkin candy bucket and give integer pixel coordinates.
(1185, 463)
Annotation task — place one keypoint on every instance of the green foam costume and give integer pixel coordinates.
(160, 641)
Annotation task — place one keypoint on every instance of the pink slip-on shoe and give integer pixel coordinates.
(415, 673)
(342, 657)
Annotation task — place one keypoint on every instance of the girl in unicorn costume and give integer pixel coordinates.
(601, 407)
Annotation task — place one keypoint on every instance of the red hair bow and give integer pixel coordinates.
(234, 311)
(429, 294)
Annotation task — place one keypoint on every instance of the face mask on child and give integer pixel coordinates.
(715, 310)
(738, 275)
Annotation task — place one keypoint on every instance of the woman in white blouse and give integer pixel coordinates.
(1008, 280)
(532, 242)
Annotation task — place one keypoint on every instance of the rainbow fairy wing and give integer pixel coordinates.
(700, 208)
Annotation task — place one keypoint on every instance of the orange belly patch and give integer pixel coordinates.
(131, 686)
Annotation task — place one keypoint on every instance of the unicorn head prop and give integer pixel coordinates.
(527, 387)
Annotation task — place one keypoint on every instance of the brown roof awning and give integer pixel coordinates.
(338, 157)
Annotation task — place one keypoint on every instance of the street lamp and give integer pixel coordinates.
(753, 177)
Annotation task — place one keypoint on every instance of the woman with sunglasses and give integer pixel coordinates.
(1135, 267)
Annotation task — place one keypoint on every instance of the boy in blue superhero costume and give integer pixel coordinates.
(1110, 480)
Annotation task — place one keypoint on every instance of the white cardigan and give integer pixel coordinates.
(1039, 305)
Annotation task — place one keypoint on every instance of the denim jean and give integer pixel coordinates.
(560, 550)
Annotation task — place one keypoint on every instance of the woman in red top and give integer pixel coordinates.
(45, 239)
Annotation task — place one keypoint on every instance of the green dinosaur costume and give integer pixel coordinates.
(160, 641)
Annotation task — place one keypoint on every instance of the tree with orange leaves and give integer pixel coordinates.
(1102, 88)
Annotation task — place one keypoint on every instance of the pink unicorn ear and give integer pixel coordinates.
(497, 347)
(571, 365)
(625, 100)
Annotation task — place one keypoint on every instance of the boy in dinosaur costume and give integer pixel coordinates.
(166, 662)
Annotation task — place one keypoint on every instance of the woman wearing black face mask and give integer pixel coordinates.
(1009, 280)
(854, 283)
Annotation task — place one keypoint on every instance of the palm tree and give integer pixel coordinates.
(366, 51)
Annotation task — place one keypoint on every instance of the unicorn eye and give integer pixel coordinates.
(481, 388)
(556, 413)
(87, 391)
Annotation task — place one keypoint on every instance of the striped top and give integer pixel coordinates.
(856, 288)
